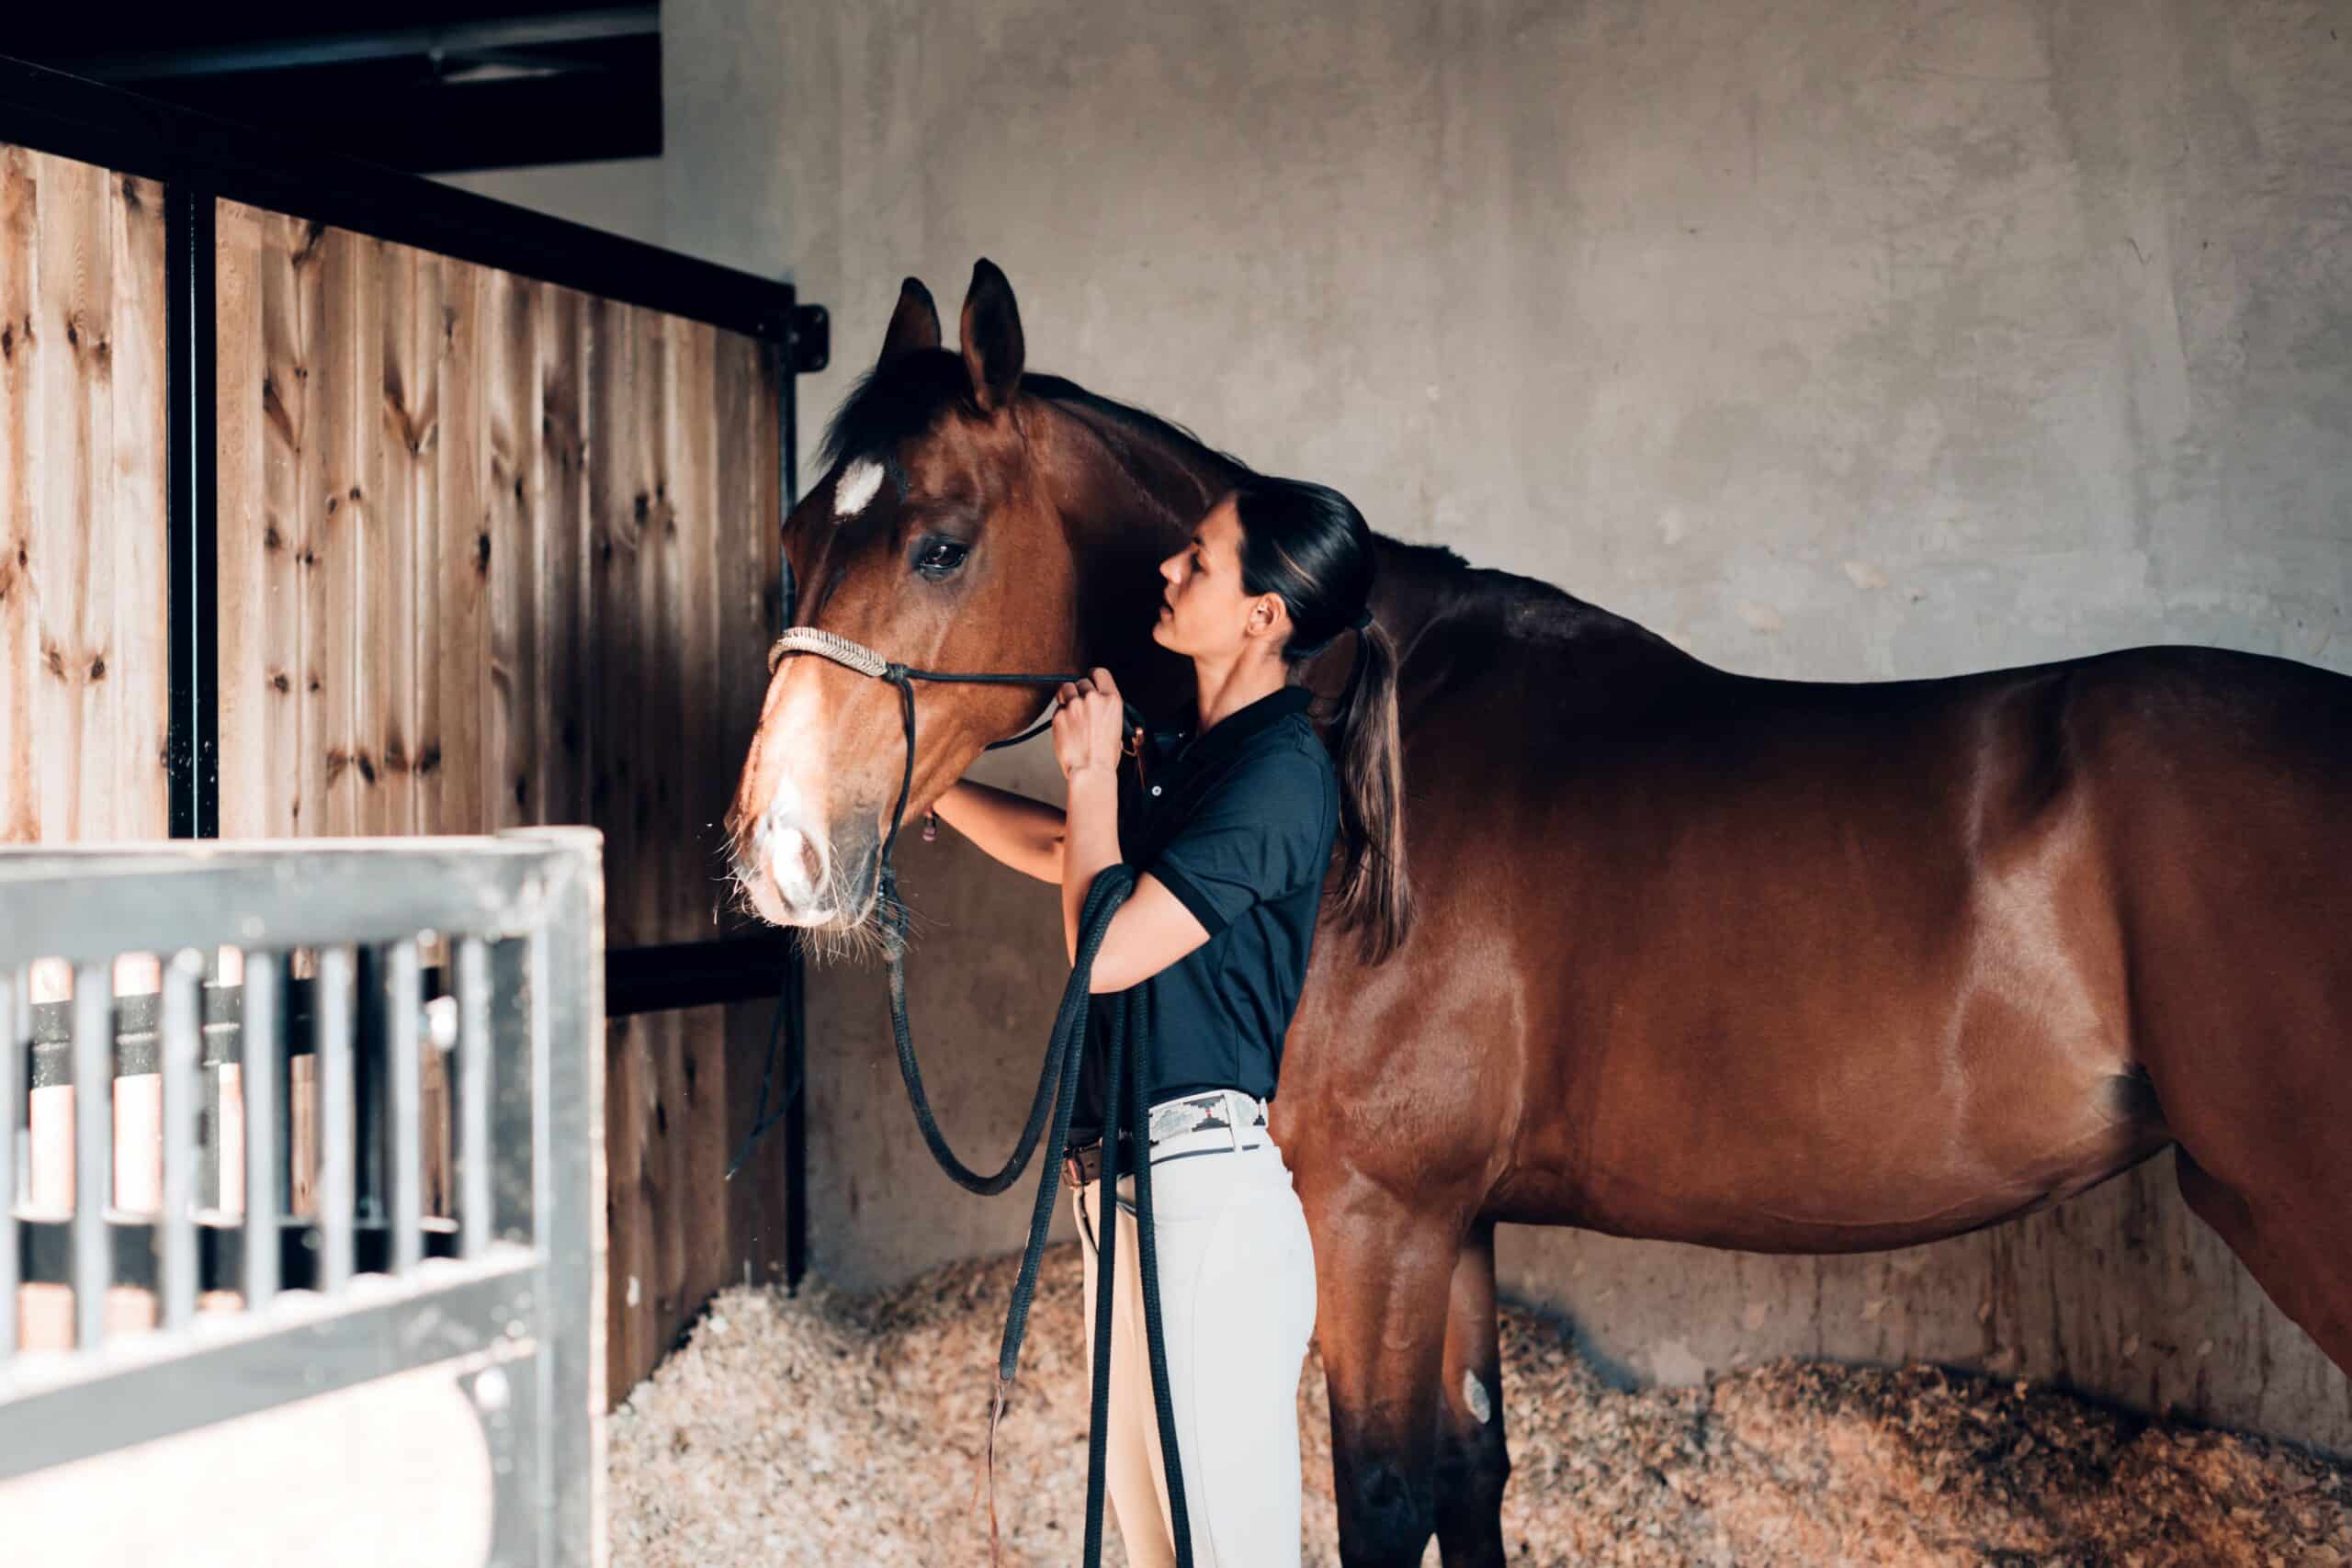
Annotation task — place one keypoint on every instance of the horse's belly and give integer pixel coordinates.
(1867, 1179)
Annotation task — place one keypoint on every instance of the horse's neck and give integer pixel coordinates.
(1126, 505)
(1129, 501)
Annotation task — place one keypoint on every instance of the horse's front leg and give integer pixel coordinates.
(1383, 1272)
(1472, 1461)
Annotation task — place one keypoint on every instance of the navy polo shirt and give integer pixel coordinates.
(1237, 823)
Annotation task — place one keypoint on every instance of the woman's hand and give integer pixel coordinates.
(1087, 728)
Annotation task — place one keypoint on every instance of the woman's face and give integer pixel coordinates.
(1204, 610)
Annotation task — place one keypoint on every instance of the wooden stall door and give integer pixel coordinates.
(493, 553)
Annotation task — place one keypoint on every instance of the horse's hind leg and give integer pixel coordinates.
(2295, 1238)
(1472, 1461)
(2259, 1125)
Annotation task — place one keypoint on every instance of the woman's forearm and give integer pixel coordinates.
(1024, 834)
(1090, 843)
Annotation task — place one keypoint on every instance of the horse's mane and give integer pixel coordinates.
(896, 401)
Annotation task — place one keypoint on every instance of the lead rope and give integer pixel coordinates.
(1129, 1068)
(1130, 1025)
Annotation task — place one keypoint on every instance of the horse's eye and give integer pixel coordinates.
(940, 558)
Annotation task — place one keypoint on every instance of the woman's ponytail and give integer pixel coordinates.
(1308, 544)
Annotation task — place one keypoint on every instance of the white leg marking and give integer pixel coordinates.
(1473, 1395)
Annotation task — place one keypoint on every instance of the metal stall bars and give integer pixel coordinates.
(257, 1307)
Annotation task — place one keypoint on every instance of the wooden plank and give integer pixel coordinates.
(322, 379)
(563, 611)
(630, 1341)
(358, 698)
(452, 747)
(437, 1166)
(273, 540)
(588, 679)
(71, 488)
(657, 687)
(692, 547)
(701, 1111)
(21, 427)
(87, 634)
(386, 669)
(302, 1133)
(241, 393)
(138, 661)
(511, 716)
(612, 580)
(737, 524)
(710, 1086)
(661, 693)
(428, 342)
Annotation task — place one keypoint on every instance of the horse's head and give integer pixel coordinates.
(936, 539)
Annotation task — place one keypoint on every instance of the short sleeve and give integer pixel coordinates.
(1260, 833)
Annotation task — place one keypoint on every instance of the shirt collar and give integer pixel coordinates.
(1227, 736)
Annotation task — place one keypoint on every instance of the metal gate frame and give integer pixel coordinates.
(509, 1299)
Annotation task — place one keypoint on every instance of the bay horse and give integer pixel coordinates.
(1778, 966)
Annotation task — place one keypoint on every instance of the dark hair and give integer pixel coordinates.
(1307, 544)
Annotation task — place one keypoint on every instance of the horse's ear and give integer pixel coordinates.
(992, 342)
(913, 325)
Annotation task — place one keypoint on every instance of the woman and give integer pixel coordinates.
(1232, 829)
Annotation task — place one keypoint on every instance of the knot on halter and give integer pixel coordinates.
(829, 645)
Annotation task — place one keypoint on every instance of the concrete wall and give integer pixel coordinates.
(1833, 338)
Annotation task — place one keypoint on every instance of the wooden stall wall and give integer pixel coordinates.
(85, 584)
(494, 552)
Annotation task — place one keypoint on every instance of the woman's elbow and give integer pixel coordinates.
(1116, 968)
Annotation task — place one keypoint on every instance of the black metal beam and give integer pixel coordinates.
(454, 37)
(693, 974)
(46, 1247)
(192, 443)
(592, 102)
(52, 112)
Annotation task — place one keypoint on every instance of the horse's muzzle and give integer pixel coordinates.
(812, 880)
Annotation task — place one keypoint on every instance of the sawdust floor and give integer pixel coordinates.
(845, 1431)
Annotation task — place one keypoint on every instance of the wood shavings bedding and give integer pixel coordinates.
(837, 1430)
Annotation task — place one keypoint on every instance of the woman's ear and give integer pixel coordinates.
(1269, 617)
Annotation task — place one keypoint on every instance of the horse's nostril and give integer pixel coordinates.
(795, 862)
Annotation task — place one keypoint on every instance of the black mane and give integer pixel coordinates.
(895, 402)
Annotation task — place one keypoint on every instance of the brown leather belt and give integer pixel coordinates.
(1084, 1166)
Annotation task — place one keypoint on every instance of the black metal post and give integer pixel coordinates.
(192, 749)
(796, 1118)
(788, 362)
